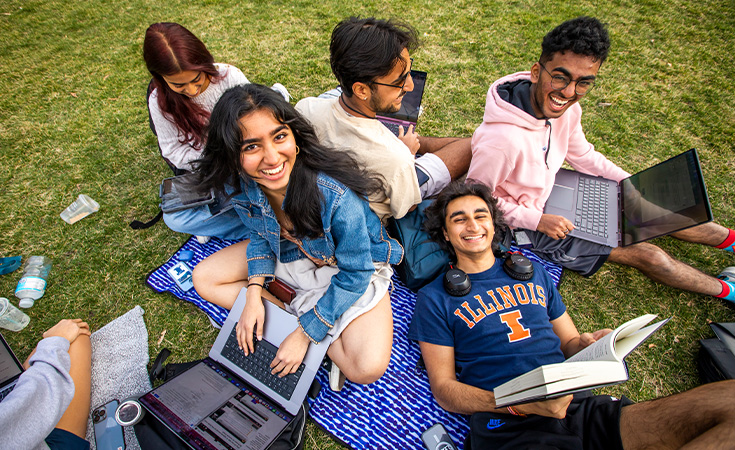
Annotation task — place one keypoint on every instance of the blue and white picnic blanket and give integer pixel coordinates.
(388, 414)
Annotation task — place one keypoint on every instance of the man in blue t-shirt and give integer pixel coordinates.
(505, 327)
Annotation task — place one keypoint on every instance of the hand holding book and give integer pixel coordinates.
(599, 364)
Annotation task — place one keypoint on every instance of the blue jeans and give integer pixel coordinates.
(199, 221)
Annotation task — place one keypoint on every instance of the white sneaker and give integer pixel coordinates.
(332, 93)
(336, 378)
(203, 239)
(727, 274)
(281, 89)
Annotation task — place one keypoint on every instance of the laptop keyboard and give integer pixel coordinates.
(257, 364)
(592, 207)
(393, 127)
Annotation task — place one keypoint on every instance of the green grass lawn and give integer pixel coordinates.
(73, 120)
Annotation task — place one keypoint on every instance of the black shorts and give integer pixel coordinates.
(63, 440)
(591, 423)
(575, 254)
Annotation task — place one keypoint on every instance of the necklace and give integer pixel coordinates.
(344, 103)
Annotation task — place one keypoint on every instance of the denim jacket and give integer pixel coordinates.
(353, 238)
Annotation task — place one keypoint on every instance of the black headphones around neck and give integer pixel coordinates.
(517, 266)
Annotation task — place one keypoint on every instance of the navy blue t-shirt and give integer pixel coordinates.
(500, 330)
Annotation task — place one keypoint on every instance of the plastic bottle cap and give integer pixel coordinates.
(25, 302)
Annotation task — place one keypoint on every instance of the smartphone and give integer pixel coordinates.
(181, 274)
(108, 434)
(437, 438)
(522, 239)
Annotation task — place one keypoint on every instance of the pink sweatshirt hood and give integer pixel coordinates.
(518, 155)
(499, 111)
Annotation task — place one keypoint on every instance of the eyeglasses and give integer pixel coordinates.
(560, 82)
(399, 86)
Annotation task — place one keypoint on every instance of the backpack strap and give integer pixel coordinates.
(138, 225)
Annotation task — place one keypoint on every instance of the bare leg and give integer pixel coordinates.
(456, 153)
(710, 234)
(362, 351)
(659, 266)
(702, 418)
(219, 278)
(74, 419)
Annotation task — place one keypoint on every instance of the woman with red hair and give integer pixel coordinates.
(185, 87)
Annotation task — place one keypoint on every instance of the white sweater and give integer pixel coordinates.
(169, 135)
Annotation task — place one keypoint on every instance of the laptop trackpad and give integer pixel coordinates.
(562, 197)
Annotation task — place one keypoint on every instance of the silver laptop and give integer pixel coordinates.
(410, 109)
(660, 200)
(10, 369)
(230, 401)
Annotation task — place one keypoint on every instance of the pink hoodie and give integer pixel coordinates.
(508, 151)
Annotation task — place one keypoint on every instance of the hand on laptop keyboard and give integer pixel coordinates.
(257, 364)
(409, 137)
(290, 353)
(555, 227)
(250, 326)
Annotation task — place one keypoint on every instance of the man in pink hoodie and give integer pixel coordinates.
(532, 124)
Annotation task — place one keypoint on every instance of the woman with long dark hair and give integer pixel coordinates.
(310, 226)
(186, 85)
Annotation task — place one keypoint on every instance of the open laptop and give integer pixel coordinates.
(217, 404)
(660, 200)
(10, 369)
(410, 109)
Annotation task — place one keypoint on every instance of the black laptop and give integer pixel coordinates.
(232, 401)
(10, 369)
(660, 200)
(410, 109)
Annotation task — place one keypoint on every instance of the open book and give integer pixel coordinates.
(600, 364)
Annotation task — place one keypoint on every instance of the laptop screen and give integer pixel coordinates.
(410, 106)
(209, 408)
(10, 367)
(667, 197)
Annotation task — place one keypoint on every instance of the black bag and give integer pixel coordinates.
(423, 259)
(179, 193)
(716, 360)
(137, 224)
(153, 435)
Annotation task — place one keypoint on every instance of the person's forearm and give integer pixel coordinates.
(464, 399)
(430, 144)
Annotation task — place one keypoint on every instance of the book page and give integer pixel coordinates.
(624, 346)
(540, 376)
(595, 374)
(633, 325)
(602, 350)
(607, 349)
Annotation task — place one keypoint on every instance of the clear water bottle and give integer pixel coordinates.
(11, 318)
(33, 283)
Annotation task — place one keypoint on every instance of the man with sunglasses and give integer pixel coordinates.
(371, 60)
(532, 124)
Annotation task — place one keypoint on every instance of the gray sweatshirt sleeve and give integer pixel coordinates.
(42, 394)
